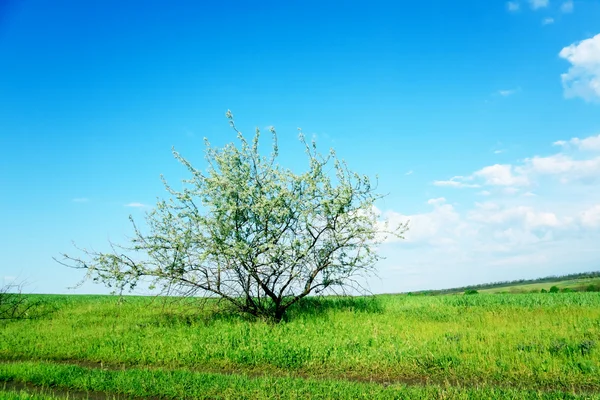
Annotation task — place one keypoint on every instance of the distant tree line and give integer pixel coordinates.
(553, 278)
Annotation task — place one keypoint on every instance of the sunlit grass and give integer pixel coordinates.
(192, 385)
(527, 341)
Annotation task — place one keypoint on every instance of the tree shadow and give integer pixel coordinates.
(324, 305)
(221, 312)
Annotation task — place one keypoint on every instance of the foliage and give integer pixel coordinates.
(554, 289)
(267, 239)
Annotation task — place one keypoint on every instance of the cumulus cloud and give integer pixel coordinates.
(537, 216)
(440, 226)
(582, 166)
(565, 168)
(591, 143)
(583, 78)
(501, 175)
(522, 216)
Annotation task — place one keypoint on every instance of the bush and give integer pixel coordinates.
(471, 291)
(554, 289)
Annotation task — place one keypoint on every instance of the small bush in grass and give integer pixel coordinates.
(586, 346)
(471, 291)
(554, 289)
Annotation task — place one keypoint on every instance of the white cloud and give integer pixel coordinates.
(565, 168)
(81, 200)
(510, 190)
(527, 217)
(439, 227)
(567, 7)
(591, 143)
(136, 205)
(512, 6)
(536, 4)
(501, 175)
(409, 172)
(457, 182)
(547, 21)
(590, 218)
(439, 200)
(583, 78)
(510, 233)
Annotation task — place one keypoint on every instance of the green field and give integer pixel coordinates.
(486, 346)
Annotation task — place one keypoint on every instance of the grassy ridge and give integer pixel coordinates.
(579, 282)
(580, 285)
(531, 341)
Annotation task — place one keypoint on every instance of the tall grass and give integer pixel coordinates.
(140, 383)
(529, 341)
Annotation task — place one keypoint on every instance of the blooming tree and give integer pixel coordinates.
(253, 233)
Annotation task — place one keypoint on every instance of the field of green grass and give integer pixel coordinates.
(485, 346)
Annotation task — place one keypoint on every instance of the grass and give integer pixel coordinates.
(185, 384)
(27, 391)
(24, 395)
(482, 346)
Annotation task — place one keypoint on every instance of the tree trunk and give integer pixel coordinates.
(279, 313)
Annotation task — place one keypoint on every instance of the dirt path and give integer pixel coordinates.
(255, 373)
(66, 393)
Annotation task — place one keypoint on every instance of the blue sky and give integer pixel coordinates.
(481, 118)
